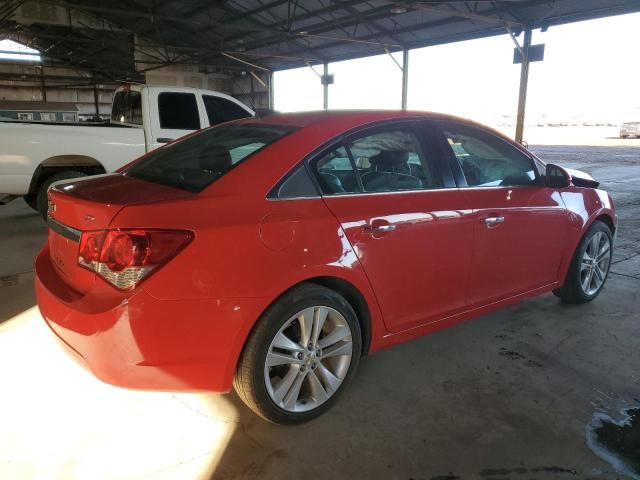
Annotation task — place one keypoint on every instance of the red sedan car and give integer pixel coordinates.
(272, 254)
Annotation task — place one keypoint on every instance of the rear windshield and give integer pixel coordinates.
(196, 162)
(127, 107)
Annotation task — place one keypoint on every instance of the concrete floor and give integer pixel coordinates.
(508, 395)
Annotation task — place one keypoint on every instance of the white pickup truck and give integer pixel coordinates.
(34, 155)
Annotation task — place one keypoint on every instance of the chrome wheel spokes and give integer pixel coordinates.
(595, 263)
(308, 359)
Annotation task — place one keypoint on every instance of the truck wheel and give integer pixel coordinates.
(31, 200)
(41, 201)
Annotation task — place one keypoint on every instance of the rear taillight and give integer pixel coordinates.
(125, 257)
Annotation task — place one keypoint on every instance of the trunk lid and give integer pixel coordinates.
(91, 204)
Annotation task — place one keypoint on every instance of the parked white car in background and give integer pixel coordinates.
(630, 129)
(34, 155)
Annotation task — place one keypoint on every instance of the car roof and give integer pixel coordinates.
(338, 121)
(354, 117)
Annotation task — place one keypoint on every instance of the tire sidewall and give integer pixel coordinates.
(272, 321)
(596, 227)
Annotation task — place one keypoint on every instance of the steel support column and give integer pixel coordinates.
(405, 77)
(524, 80)
(95, 96)
(270, 89)
(43, 87)
(325, 87)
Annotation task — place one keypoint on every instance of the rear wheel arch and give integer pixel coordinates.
(344, 288)
(355, 299)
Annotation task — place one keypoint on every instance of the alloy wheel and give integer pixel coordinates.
(308, 359)
(595, 263)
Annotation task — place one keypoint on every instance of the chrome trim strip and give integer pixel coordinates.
(64, 230)
(419, 190)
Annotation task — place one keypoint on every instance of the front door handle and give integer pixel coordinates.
(492, 221)
(379, 228)
(164, 140)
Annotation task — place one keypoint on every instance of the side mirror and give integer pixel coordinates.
(557, 177)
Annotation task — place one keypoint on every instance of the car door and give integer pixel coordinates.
(519, 224)
(411, 235)
(178, 115)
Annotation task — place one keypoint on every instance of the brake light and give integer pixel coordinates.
(125, 257)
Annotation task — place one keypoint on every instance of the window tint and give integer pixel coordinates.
(392, 161)
(178, 111)
(335, 173)
(221, 110)
(197, 161)
(487, 160)
(296, 185)
(127, 107)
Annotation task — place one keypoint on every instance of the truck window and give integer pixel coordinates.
(127, 107)
(178, 111)
(221, 110)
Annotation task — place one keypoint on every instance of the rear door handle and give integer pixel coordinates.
(492, 221)
(164, 140)
(378, 228)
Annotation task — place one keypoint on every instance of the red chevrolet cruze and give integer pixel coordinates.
(272, 254)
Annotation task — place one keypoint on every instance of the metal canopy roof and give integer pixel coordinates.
(277, 34)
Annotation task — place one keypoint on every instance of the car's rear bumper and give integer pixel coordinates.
(138, 341)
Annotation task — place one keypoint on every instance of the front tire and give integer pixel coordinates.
(590, 266)
(302, 353)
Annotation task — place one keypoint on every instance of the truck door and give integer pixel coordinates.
(176, 115)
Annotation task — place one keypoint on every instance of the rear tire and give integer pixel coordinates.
(288, 376)
(589, 267)
(41, 200)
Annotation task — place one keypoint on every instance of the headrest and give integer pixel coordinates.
(389, 159)
(215, 159)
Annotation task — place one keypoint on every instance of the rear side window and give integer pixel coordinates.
(392, 161)
(220, 110)
(178, 111)
(296, 185)
(197, 161)
(335, 172)
(386, 161)
(489, 161)
(127, 107)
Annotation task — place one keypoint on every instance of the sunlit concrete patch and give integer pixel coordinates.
(58, 421)
(617, 442)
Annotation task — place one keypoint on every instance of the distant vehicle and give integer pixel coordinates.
(630, 129)
(35, 155)
(273, 253)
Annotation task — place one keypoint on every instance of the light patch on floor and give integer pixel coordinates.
(58, 421)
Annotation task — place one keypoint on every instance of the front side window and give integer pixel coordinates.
(197, 161)
(178, 111)
(220, 110)
(488, 161)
